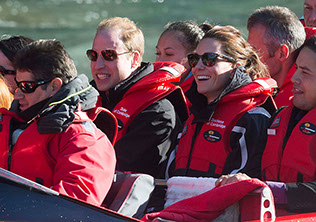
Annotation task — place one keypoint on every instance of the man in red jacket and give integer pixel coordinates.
(287, 164)
(277, 34)
(47, 136)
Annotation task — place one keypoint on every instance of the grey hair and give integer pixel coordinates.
(283, 27)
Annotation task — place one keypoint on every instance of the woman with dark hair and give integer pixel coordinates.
(223, 132)
(8, 49)
(176, 42)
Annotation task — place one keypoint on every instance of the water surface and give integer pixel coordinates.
(73, 22)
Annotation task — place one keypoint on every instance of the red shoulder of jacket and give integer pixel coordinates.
(310, 31)
(163, 75)
(109, 122)
(4, 111)
(174, 70)
(185, 86)
(163, 72)
(264, 85)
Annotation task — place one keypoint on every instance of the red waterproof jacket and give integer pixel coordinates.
(285, 91)
(185, 86)
(79, 162)
(62, 149)
(289, 162)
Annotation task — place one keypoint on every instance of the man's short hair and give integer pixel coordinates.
(132, 36)
(46, 59)
(311, 43)
(283, 27)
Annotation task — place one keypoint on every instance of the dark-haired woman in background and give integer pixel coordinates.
(177, 41)
(8, 49)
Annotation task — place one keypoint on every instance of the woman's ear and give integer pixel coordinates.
(55, 85)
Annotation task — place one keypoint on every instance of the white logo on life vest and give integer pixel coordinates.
(217, 123)
(122, 111)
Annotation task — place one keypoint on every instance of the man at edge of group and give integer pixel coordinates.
(47, 136)
(287, 163)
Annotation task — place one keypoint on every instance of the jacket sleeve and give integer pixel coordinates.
(85, 163)
(301, 196)
(144, 147)
(247, 143)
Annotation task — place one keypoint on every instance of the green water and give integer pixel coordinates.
(73, 22)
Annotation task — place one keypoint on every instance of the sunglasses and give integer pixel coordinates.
(107, 54)
(209, 59)
(5, 71)
(30, 86)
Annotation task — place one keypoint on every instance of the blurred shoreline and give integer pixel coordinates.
(74, 22)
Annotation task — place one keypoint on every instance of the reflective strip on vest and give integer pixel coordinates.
(243, 148)
(171, 70)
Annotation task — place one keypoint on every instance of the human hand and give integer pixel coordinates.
(231, 178)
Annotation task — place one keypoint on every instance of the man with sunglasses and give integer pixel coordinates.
(139, 94)
(48, 136)
(8, 49)
(276, 33)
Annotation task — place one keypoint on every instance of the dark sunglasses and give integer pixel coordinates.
(30, 86)
(5, 71)
(209, 59)
(107, 54)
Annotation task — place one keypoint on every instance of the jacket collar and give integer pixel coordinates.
(111, 98)
(200, 108)
(59, 111)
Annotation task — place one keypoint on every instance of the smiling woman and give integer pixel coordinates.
(228, 75)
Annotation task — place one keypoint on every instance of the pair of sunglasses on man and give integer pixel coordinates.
(30, 86)
(108, 54)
